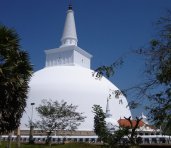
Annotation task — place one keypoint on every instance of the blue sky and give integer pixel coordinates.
(107, 29)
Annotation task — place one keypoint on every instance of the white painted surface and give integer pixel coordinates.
(69, 55)
(76, 85)
(69, 36)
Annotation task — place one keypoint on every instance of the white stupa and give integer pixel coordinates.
(111, 122)
(67, 76)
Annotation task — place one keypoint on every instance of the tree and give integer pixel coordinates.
(157, 88)
(58, 116)
(113, 138)
(99, 123)
(15, 72)
(132, 134)
(108, 71)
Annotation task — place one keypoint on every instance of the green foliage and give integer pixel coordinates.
(131, 131)
(109, 71)
(58, 116)
(158, 69)
(15, 71)
(116, 138)
(133, 104)
(99, 123)
(113, 138)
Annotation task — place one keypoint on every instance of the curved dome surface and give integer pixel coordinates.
(76, 85)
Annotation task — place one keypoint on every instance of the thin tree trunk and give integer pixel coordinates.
(31, 141)
(9, 140)
(18, 137)
(0, 140)
(48, 141)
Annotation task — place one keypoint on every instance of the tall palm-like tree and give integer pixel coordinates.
(15, 72)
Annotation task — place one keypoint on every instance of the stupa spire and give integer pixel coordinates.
(69, 36)
(107, 109)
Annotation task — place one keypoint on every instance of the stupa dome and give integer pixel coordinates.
(67, 76)
(76, 85)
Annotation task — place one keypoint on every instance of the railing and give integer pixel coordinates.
(145, 139)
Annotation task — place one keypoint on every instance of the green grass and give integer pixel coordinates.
(68, 145)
